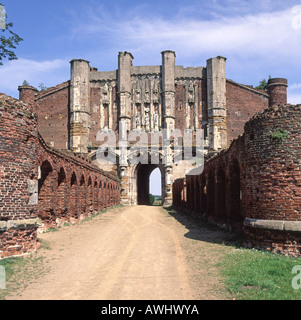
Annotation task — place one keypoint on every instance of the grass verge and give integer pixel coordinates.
(250, 274)
(19, 272)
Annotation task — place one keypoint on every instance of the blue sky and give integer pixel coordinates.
(259, 37)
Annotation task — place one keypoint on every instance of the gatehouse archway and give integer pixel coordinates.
(142, 174)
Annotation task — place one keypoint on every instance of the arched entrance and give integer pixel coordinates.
(143, 173)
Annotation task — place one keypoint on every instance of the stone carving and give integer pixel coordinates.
(138, 120)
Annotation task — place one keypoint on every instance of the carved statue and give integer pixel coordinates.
(156, 119)
(138, 121)
(146, 119)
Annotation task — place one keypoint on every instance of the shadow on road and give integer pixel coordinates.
(205, 231)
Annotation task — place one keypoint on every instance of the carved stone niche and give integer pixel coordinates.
(190, 93)
(156, 95)
(105, 95)
(138, 96)
(146, 96)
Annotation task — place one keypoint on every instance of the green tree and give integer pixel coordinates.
(263, 85)
(9, 39)
(151, 199)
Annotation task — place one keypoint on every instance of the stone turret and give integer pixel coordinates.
(125, 65)
(168, 88)
(168, 106)
(217, 109)
(79, 105)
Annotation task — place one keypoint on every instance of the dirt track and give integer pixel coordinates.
(128, 253)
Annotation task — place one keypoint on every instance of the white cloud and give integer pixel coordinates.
(253, 34)
(13, 73)
(294, 93)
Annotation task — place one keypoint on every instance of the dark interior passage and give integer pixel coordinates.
(143, 183)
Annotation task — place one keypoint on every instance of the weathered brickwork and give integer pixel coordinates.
(215, 194)
(18, 141)
(255, 184)
(242, 103)
(40, 186)
(71, 187)
(52, 109)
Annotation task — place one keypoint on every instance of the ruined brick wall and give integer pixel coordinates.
(215, 195)
(18, 177)
(273, 193)
(71, 187)
(242, 103)
(40, 186)
(255, 184)
(52, 107)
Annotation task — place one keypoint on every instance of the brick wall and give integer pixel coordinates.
(71, 187)
(18, 177)
(95, 113)
(273, 159)
(40, 186)
(255, 184)
(52, 107)
(242, 103)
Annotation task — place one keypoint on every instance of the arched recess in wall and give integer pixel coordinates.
(188, 192)
(95, 197)
(89, 196)
(203, 195)
(100, 195)
(109, 194)
(235, 192)
(221, 193)
(197, 195)
(45, 204)
(61, 193)
(73, 196)
(104, 195)
(83, 195)
(112, 194)
(211, 193)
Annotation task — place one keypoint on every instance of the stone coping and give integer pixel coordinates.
(19, 224)
(278, 225)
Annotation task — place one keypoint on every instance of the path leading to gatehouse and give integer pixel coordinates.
(128, 253)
